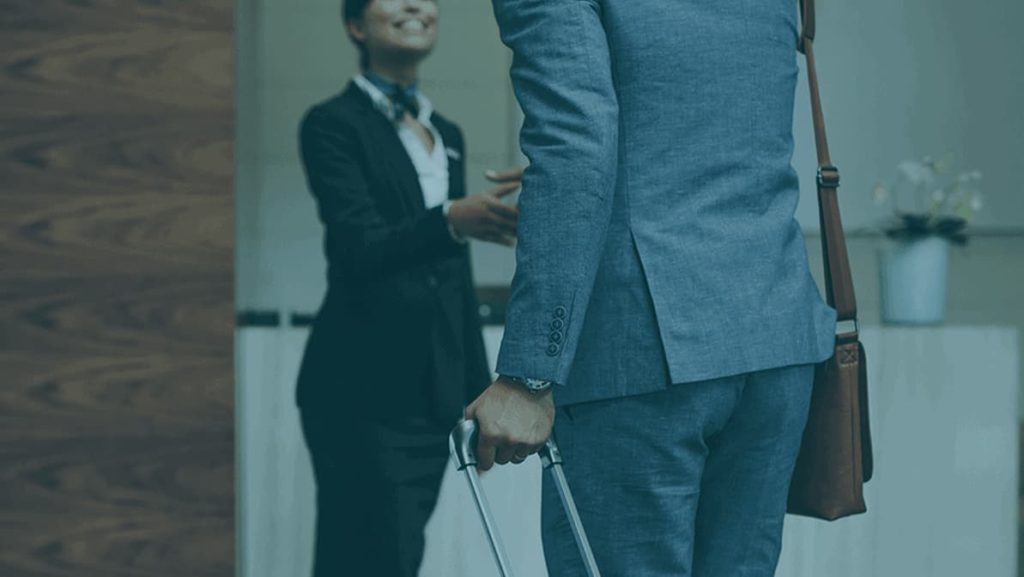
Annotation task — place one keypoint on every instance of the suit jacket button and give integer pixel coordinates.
(552, 350)
(556, 337)
(559, 312)
(557, 324)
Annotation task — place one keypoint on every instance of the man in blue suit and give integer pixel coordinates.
(663, 318)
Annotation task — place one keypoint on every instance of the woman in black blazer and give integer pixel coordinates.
(396, 351)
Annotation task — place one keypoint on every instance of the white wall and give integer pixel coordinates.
(908, 78)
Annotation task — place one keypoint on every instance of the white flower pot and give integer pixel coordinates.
(914, 275)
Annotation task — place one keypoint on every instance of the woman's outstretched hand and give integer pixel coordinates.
(484, 216)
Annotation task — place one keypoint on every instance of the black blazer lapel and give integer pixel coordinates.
(454, 150)
(392, 152)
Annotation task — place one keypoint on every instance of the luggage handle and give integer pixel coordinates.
(462, 443)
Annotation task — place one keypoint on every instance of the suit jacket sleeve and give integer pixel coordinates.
(359, 240)
(562, 76)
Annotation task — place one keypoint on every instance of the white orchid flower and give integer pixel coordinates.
(916, 172)
(969, 177)
(977, 202)
(880, 194)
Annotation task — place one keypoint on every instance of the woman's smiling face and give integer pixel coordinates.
(391, 29)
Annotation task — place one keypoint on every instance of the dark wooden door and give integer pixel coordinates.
(116, 288)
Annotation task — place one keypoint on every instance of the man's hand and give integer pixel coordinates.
(512, 423)
(484, 216)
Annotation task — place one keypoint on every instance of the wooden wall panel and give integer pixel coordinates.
(116, 288)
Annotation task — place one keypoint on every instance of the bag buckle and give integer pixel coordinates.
(847, 328)
(828, 176)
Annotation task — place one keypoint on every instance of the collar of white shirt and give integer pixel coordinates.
(382, 103)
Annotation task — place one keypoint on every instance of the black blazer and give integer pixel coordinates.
(398, 331)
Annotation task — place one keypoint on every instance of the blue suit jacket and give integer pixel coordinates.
(657, 242)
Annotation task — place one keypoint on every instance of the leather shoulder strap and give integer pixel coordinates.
(838, 279)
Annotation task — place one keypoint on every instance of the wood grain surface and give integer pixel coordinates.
(116, 288)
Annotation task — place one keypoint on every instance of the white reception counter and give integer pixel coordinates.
(943, 502)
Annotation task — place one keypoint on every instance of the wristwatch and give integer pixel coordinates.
(533, 385)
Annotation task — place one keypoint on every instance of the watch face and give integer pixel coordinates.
(537, 384)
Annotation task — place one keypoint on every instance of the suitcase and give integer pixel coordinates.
(462, 444)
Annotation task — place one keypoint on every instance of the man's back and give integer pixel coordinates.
(657, 245)
(700, 269)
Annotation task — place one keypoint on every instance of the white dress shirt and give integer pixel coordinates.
(431, 165)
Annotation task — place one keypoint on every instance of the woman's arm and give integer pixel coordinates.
(361, 242)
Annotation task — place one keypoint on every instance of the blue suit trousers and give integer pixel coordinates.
(688, 481)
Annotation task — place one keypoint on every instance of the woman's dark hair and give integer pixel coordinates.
(354, 10)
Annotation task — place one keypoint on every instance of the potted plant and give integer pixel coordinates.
(930, 210)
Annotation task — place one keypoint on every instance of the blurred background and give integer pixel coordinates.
(161, 260)
(916, 93)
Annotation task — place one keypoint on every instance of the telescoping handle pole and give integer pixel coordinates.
(462, 443)
(552, 460)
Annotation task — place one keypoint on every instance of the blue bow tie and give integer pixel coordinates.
(403, 98)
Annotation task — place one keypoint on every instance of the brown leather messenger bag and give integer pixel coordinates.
(835, 457)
